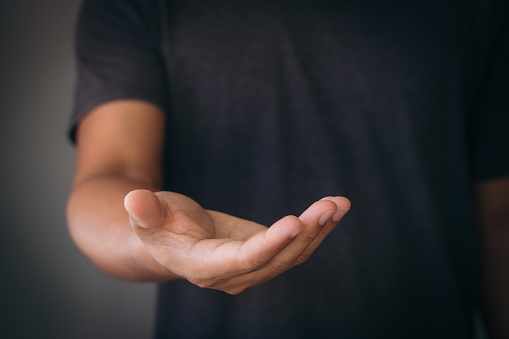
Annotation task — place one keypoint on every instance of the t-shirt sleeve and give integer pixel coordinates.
(490, 121)
(118, 56)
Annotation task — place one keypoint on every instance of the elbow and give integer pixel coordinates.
(74, 222)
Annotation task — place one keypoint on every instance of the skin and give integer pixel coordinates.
(121, 220)
(492, 200)
(134, 234)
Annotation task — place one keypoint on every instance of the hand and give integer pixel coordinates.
(219, 251)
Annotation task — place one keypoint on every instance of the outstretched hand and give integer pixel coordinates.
(219, 251)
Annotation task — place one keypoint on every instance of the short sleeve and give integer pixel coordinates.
(118, 55)
(490, 122)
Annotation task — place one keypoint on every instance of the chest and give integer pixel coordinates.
(242, 67)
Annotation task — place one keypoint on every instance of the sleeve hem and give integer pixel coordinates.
(80, 112)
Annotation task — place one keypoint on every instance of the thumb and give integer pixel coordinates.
(145, 209)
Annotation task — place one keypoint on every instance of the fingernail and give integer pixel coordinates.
(340, 212)
(294, 234)
(325, 217)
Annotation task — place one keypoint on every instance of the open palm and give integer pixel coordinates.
(217, 250)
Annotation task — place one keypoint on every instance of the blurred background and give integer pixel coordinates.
(47, 288)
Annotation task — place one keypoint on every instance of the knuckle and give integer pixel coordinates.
(277, 266)
(325, 232)
(204, 283)
(308, 238)
(202, 280)
(248, 262)
(302, 259)
(245, 263)
(199, 282)
(146, 233)
(235, 290)
(179, 223)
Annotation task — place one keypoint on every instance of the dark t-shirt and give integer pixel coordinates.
(398, 105)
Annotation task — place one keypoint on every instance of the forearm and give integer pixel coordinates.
(99, 225)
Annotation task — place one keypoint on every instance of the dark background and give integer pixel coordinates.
(47, 288)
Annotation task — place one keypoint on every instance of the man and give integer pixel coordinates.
(254, 109)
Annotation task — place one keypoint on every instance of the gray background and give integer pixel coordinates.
(47, 288)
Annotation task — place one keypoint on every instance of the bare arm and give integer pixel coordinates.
(166, 235)
(119, 149)
(493, 216)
